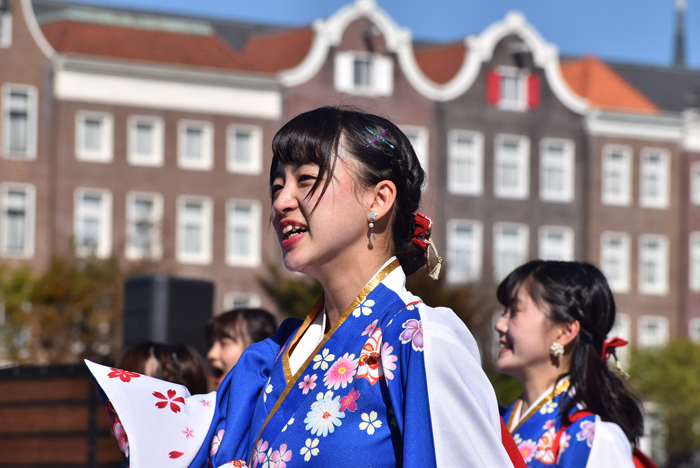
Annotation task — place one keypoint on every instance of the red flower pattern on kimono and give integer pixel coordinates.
(124, 375)
(171, 398)
(370, 367)
(544, 447)
(348, 401)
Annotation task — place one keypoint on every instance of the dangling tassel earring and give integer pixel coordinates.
(435, 273)
(622, 372)
(372, 218)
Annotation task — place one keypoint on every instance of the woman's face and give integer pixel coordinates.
(317, 233)
(222, 356)
(525, 336)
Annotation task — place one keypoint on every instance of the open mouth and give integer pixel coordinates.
(292, 230)
(216, 372)
(504, 345)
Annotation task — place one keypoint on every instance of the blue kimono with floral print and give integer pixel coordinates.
(536, 435)
(359, 401)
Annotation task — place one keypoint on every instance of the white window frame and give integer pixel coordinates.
(662, 200)
(625, 197)
(382, 74)
(30, 219)
(457, 156)
(694, 329)
(253, 300)
(6, 30)
(156, 158)
(695, 183)
(568, 237)
(155, 219)
(252, 167)
(522, 162)
(105, 154)
(32, 119)
(523, 247)
(255, 228)
(694, 261)
(644, 341)
(663, 263)
(203, 257)
(104, 243)
(476, 247)
(522, 76)
(206, 162)
(420, 146)
(619, 285)
(568, 168)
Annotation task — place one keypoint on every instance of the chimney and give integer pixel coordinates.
(679, 52)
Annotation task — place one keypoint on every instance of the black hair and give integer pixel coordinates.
(246, 326)
(316, 137)
(577, 291)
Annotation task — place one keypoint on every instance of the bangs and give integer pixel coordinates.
(309, 138)
(509, 288)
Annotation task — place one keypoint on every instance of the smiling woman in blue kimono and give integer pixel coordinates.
(373, 377)
(574, 412)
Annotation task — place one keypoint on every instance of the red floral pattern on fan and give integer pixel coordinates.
(175, 454)
(124, 375)
(171, 398)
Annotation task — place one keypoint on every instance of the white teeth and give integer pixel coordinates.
(287, 229)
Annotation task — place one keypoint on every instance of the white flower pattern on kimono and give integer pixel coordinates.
(289, 423)
(322, 360)
(549, 407)
(365, 308)
(370, 422)
(310, 449)
(325, 414)
(268, 389)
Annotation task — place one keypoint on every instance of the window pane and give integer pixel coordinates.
(16, 221)
(193, 235)
(93, 134)
(18, 122)
(144, 138)
(242, 148)
(193, 143)
(363, 73)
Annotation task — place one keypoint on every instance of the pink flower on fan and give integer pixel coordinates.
(188, 432)
(122, 440)
(123, 375)
(348, 402)
(341, 372)
(280, 457)
(172, 398)
(308, 384)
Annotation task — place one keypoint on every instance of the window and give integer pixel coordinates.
(144, 214)
(653, 178)
(653, 264)
(243, 221)
(464, 240)
(466, 162)
(93, 222)
(145, 141)
(244, 149)
(512, 163)
(18, 206)
(195, 145)
(418, 136)
(19, 120)
(5, 25)
(556, 243)
(93, 137)
(622, 328)
(510, 248)
(694, 329)
(615, 259)
(241, 300)
(617, 172)
(364, 73)
(556, 170)
(652, 331)
(513, 88)
(194, 228)
(694, 261)
(695, 183)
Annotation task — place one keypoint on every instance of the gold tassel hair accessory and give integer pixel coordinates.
(423, 239)
(609, 346)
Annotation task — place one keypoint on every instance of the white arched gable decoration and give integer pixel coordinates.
(35, 30)
(480, 50)
(329, 33)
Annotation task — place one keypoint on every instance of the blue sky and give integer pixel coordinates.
(636, 31)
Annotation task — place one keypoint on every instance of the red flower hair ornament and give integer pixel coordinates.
(422, 238)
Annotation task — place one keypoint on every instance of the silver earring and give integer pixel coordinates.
(372, 217)
(556, 350)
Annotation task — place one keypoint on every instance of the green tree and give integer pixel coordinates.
(294, 297)
(670, 378)
(15, 312)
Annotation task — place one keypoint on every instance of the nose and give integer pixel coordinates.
(501, 325)
(286, 199)
(213, 352)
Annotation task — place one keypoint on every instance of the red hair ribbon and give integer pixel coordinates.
(421, 233)
(610, 344)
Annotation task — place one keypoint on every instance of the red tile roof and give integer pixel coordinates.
(595, 81)
(277, 52)
(143, 44)
(442, 63)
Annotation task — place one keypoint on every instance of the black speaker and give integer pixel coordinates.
(167, 309)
